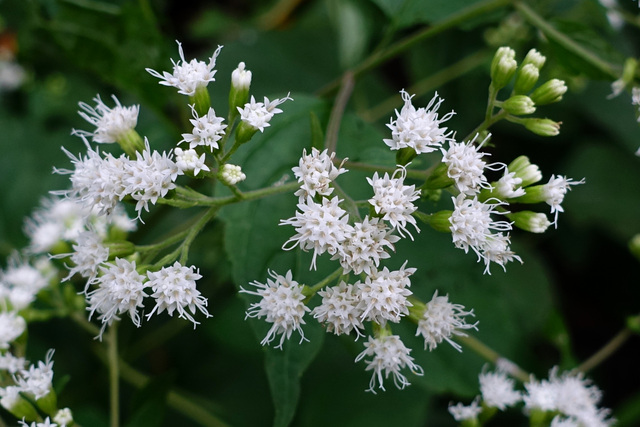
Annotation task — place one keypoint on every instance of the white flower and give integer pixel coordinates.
(188, 160)
(461, 412)
(12, 75)
(389, 356)
(471, 226)
(174, 289)
(241, 78)
(441, 320)
(187, 77)
(120, 290)
(394, 200)
(11, 363)
(509, 186)
(111, 123)
(259, 114)
(282, 304)
(419, 129)
(322, 227)
(89, 253)
(207, 130)
(232, 174)
(571, 395)
(498, 390)
(496, 249)
(383, 295)
(554, 192)
(466, 167)
(315, 172)
(96, 183)
(339, 310)
(364, 246)
(11, 327)
(37, 379)
(10, 397)
(149, 177)
(63, 417)
(21, 274)
(46, 423)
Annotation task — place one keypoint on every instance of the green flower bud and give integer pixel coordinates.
(48, 403)
(549, 92)
(439, 221)
(439, 178)
(201, 101)
(528, 172)
(519, 105)
(131, 142)
(239, 93)
(526, 79)
(405, 155)
(245, 132)
(533, 222)
(542, 127)
(503, 67)
(534, 58)
(533, 194)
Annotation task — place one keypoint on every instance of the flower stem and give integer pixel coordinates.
(380, 57)
(309, 292)
(607, 350)
(114, 376)
(333, 128)
(491, 355)
(562, 39)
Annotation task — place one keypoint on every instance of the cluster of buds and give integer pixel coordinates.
(524, 99)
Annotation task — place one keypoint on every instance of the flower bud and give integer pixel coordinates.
(534, 58)
(440, 221)
(533, 222)
(528, 172)
(526, 79)
(201, 100)
(503, 67)
(231, 174)
(549, 92)
(239, 92)
(63, 417)
(519, 105)
(542, 127)
(439, 178)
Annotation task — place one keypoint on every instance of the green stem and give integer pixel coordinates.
(333, 128)
(491, 355)
(563, 40)
(378, 58)
(193, 232)
(114, 376)
(606, 351)
(309, 292)
(165, 243)
(486, 124)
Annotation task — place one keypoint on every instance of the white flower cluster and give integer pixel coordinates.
(381, 296)
(111, 123)
(207, 130)
(120, 289)
(565, 400)
(20, 282)
(101, 182)
(187, 77)
(419, 129)
(259, 114)
(32, 386)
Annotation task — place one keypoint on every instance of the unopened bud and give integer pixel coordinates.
(528, 172)
(533, 222)
(519, 105)
(542, 127)
(549, 92)
(440, 221)
(239, 92)
(231, 174)
(503, 67)
(526, 79)
(534, 58)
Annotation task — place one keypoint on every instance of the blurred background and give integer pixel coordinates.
(574, 292)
